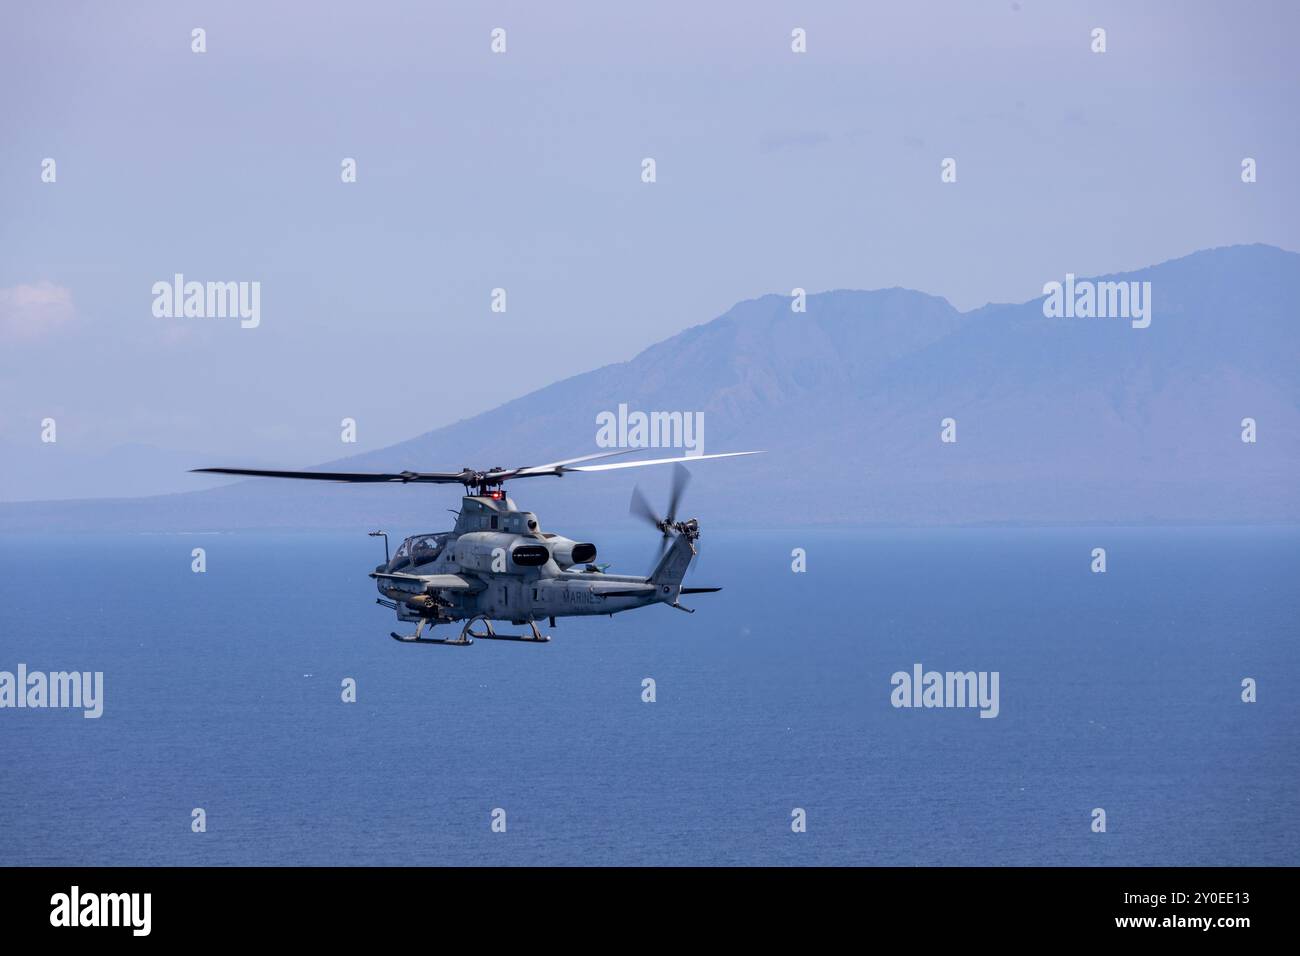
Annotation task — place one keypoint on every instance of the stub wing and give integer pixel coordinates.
(434, 582)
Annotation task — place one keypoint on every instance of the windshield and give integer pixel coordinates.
(424, 548)
(418, 549)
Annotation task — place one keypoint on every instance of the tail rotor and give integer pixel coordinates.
(668, 525)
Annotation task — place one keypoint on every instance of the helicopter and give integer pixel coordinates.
(497, 564)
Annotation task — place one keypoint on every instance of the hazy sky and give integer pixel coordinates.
(523, 170)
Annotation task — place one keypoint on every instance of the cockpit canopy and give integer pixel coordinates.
(418, 549)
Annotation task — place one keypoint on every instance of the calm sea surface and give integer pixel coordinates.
(222, 691)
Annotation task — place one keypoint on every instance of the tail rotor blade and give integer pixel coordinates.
(681, 478)
(641, 508)
(663, 549)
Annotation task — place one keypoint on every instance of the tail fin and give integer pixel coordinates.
(672, 568)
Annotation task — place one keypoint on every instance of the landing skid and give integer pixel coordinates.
(490, 634)
(418, 638)
(412, 639)
(468, 635)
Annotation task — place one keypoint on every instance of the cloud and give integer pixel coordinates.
(30, 312)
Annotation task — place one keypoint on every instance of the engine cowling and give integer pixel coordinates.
(568, 553)
(529, 555)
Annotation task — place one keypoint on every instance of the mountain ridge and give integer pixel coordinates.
(1058, 421)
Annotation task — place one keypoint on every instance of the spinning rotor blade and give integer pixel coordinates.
(660, 461)
(555, 467)
(666, 526)
(642, 509)
(470, 478)
(681, 478)
(444, 478)
(664, 540)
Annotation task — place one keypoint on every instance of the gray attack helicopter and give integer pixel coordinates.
(498, 564)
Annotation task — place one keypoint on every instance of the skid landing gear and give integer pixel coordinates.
(416, 638)
(412, 639)
(468, 635)
(489, 634)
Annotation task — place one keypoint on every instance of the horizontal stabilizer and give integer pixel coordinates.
(699, 590)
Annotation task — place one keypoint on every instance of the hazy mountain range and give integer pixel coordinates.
(1069, 420)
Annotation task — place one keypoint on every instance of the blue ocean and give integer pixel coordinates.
(223, 691)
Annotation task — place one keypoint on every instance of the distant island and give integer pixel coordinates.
(885, 407)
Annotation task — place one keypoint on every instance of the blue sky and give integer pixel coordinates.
(522, 171)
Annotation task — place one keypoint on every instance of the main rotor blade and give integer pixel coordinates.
(659, 461)
(681, 478)
(465, 476)
(445, 478)
(550, 468)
